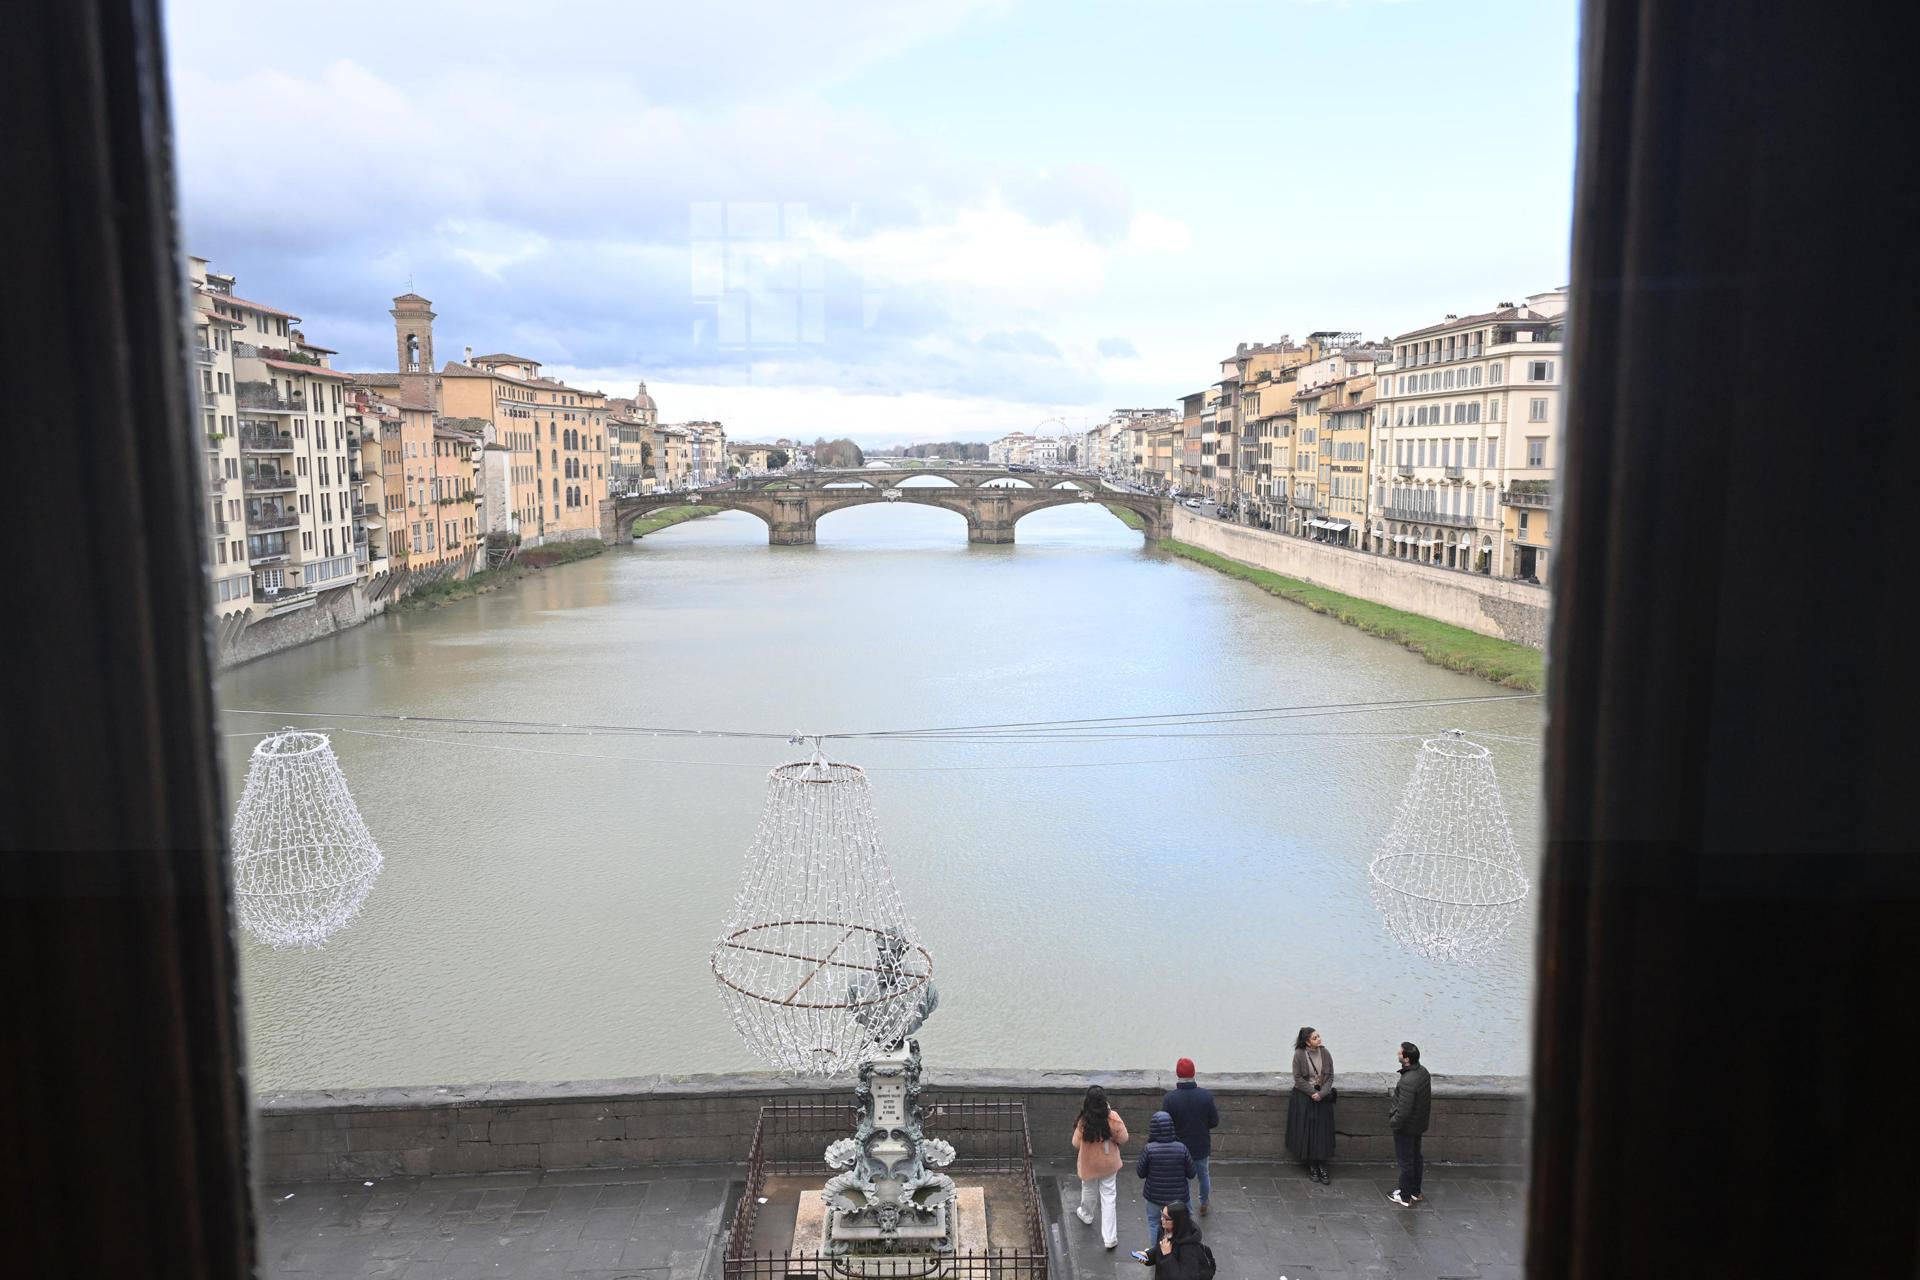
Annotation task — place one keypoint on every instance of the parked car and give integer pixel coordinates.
(1194, 503)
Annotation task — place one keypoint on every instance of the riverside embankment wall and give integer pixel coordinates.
(1496, 607)
(367, 1133)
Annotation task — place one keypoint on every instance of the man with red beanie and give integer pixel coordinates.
(1194, 1120)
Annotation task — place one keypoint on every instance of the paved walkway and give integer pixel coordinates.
(663, 1223)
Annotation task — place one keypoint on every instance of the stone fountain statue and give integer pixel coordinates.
(890, 1204)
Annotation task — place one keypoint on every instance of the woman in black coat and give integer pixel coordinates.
(1179, 1255)
(1310, 1106)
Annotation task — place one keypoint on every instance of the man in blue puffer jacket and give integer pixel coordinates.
(1167, 1167)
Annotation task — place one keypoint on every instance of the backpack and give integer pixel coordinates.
(1207, 1265)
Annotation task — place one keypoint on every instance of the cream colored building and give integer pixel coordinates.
(1469, 407)
(231, 573)
(1346, 433)
(369, 419)
(1162, 437)
(286, 502)
(752, 459)
(674, 457)
(1015, 447)
(554, 434)
(630, 441)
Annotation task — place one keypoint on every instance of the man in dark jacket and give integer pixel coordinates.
(1167, 1168)
(1409, 1107)
(1194, 1120)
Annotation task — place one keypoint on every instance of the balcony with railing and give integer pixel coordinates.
(269, 481)
(1517, 496)
(1403, 468)
(216, 477)
(1455, 473)
(202, 355)
(262, 397)
(265, 440)
(273, 550)
(270, 517)
(1303, 498)
(1420, 515)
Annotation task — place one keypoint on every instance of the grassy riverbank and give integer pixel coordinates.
(666, 517)
(1514, 665)
(532, 560)
(1129, 517)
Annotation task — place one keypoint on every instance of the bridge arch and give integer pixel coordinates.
(791, 514)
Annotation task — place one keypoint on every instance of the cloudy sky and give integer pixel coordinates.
(900, 222)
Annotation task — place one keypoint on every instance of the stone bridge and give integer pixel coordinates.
(792, 505)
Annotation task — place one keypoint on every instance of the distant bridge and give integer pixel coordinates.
(791, 505)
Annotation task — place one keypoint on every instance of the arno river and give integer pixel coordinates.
(548, 902)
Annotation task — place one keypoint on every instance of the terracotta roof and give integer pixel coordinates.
(314, 346)
(209, 316)
(252, 306)
(455, 369)
(502, 356)
(1485, 317)
(410, 297)
(306, 370)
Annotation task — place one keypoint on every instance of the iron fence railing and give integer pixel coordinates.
(989, 1135)
(255, 440)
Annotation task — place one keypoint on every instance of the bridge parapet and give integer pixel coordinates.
(991, 512)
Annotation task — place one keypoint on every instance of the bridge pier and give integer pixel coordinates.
(790, 535)
(989, 533)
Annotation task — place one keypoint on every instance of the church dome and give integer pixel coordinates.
(642, 400)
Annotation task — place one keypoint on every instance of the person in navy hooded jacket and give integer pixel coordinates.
(1167, 1167)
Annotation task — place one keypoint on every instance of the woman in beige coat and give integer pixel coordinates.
(1098, 1135)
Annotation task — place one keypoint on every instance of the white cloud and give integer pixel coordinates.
(1156, 233)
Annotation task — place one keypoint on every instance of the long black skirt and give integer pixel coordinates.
(1309, 1127)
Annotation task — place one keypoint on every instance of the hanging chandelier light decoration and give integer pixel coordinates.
(1448, 877)
(303, 860)
(817, 961)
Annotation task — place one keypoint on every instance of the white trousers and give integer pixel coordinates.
(1109, 1188)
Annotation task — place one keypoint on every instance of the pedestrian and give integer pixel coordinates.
(1195, 1117)
(1098, 1135)
(1166, 1167)
(1409, 1107)
(1178, 1254)
(1310, 1107)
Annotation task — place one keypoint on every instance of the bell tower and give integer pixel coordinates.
(413, 333)
(413, 347)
